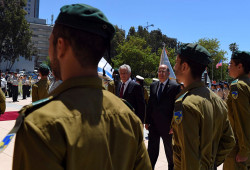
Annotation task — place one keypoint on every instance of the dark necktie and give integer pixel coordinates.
(121, 91)
(160, 91)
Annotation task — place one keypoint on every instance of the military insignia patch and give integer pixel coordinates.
(178, 117)
(235, 94)
(6, 141)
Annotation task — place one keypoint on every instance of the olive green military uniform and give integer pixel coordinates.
(40, 90)
(2, 102)
(82, 127)
(202, 132)
(226, 92)
(239, 115)
(111, 86)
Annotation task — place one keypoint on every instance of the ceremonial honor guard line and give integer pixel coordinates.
(6, 125)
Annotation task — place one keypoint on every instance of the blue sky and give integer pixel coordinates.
(186, 20)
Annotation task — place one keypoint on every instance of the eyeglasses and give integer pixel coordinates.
(161, 71)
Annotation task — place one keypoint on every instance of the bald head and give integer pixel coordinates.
(163, 73)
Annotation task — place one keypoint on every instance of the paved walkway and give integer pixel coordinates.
(6, 126)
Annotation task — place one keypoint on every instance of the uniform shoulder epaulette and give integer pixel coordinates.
(25, 111)
(178, 108)
(182, 97)
(235, 81)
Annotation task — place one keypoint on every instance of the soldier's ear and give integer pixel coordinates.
(62, 46)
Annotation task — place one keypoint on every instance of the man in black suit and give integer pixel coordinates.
(131, 91)
(159, 115)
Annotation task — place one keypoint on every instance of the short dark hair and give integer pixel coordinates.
(43, 71)
(196, 68)
(245, 65)
(88, 48)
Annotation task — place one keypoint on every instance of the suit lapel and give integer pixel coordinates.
(128, 89)
(156, 88)
(165, 90)
(118, 89)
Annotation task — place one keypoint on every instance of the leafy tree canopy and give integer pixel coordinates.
(15, 36)
(136, 53)
(213, 46)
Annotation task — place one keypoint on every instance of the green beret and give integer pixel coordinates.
(195, 53)
(241, 55)
(44, 69)
(116, 71)
(86, 18)
(44, 66)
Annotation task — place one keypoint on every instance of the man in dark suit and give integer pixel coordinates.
(159, 115)
(131, 91)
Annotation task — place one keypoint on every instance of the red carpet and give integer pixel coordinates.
(9, 116)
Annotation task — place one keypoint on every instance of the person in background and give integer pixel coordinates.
(40, 90)
(25, 84)
(131, 91)
(155, 80)
(112, 85)
(2, 102)
(29, 86)
(55, 82)
(140, 80)
(159, 114)
(226, 90)
(9, 84)
(202, 134)
(220, 90)
(3, 83)
(80, 125)
(238, 103)
(15, 82)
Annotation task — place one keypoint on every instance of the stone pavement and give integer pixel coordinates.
(6, 126)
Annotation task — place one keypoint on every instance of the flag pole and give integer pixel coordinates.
(221, 70)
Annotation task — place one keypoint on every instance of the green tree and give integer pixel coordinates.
(15, 36)
(213, 46)
(118, 39)
(131, 32)
(233, 47)
(136, 53)
(142, 33)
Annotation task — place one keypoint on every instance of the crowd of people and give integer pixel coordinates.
(81, 125)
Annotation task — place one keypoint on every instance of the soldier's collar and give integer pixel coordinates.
(190, 87)
(87, 82)
(243, 77)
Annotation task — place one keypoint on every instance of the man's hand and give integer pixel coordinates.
(240, 158)
(171, 131)
(146, 126)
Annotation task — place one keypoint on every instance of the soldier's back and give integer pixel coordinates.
(88, 127)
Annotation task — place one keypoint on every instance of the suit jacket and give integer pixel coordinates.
(134, 95)
(160, 113)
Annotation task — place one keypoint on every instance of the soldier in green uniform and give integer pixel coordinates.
(239, 111)
(202, 133)
(81, 125)
(112, 85)
(140, 80)
(2, 102)
(40, 90)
